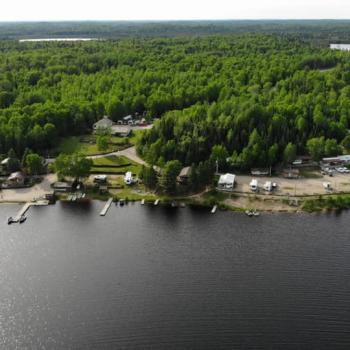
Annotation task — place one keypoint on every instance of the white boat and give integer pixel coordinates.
(256, 213)
(143, 202)
(249, 213)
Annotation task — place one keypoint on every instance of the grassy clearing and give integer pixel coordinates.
(215, 197)
(310, 174)
(115, 165)
(86, 144)
(73, 144)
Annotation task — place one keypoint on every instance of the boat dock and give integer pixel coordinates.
(106, 207)
(26, 207)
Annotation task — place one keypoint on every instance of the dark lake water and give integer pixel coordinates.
(151, 278)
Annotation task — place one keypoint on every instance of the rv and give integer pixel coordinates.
(327, 186)
(128, 178)
(254, 185)
(268, 186)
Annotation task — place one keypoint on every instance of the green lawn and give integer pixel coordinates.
(115, 165)
(73, 144)
(86, 144)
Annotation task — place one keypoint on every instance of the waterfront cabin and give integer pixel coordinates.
(184, 175)
(128, 179)
(254, 185)
(227, 182)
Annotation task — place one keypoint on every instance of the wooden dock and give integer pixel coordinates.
(106, 207)
(26, 207)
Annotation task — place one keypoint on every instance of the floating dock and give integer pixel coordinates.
(26, 207)
(215, 207)
(106, 207)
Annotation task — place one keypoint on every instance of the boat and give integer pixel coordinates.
(256, 213)
(143, 202)
(249, 213)
(121, 202)
(174, 204)
(22, 219)
(10, 220)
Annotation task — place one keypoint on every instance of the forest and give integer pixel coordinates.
(243, 99)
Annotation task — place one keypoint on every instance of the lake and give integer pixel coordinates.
(156, 278)
(56, 39)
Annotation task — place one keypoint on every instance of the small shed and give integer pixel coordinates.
(16, 179)
(227, 181)
(184, 175)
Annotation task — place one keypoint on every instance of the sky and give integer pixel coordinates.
(50, 10)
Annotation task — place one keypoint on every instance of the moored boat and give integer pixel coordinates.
(10, 220)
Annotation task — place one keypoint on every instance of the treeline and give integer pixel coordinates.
(323, 30)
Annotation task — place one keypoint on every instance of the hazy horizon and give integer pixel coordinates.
(182, 10)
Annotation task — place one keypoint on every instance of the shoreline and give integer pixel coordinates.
(189, 202)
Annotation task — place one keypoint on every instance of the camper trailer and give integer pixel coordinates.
(128, 180)
(268, 186)
(254, 185)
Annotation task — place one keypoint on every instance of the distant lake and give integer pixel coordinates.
(146, 277)
(57, 39)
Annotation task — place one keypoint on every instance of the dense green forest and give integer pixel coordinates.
(256, 98)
